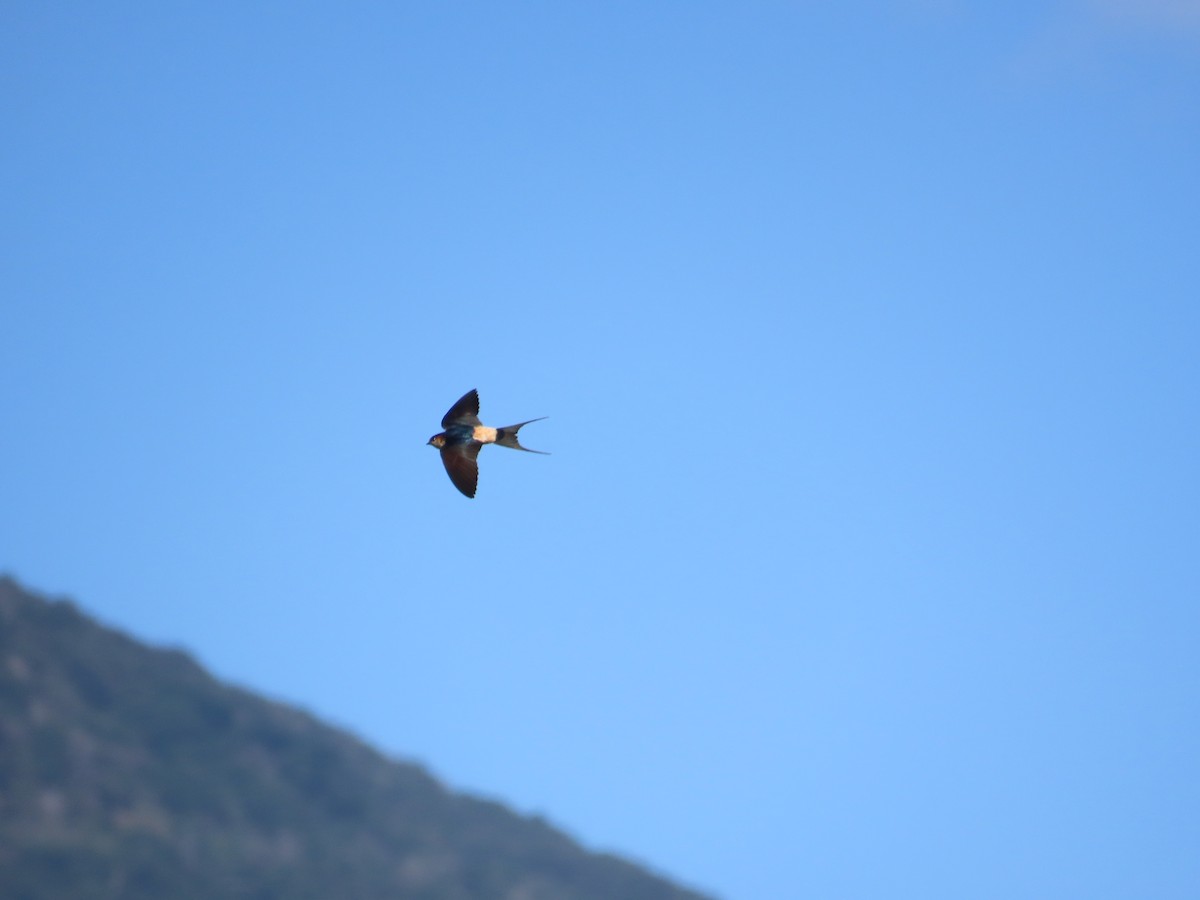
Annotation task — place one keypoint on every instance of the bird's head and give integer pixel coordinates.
(438, 440)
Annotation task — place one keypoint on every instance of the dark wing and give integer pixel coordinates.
(464, 412)
(459, 460)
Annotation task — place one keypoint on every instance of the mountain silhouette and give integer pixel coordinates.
(129, 772)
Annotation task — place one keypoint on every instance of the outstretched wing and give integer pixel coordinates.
(464, 412)
(461, 465)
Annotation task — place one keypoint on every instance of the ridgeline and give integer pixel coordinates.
(129, 772)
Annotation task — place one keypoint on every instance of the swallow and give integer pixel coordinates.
(465, 435)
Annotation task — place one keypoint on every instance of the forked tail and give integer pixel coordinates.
(507, 436)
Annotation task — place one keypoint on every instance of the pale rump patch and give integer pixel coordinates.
(484, 435)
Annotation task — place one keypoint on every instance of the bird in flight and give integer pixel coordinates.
(463, 437)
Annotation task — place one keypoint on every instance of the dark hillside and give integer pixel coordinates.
(128, 772)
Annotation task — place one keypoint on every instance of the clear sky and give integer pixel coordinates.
(867, 559)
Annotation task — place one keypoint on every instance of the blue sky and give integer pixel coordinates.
(867, 559)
